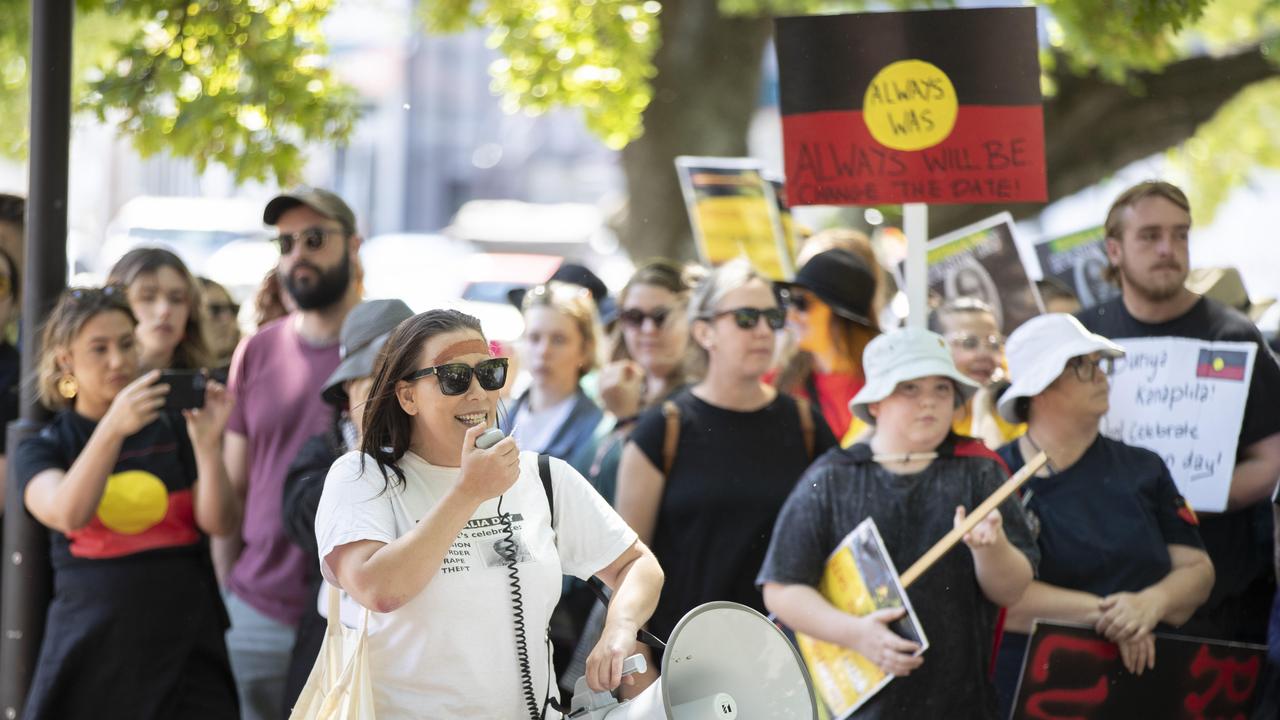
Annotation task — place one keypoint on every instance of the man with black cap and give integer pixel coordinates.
(276, 378)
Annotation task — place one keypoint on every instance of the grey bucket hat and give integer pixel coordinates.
(363, 334)
(905, 354)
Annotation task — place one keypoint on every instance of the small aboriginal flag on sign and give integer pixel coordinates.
(1222, 364)
(935, 106)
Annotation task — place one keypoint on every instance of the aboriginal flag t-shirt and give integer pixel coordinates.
(147, 504)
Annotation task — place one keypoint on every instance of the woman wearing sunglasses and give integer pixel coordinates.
(222, 323)
(129, 492)
(739, 448)
(650, 361)
(831, 311)
(168, 303)
(418, 528)
(1119, 548)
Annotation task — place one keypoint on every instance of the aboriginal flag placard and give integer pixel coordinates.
(939, 106)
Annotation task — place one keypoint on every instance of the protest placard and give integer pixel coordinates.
(786, 219)
(941, 106)
(1183, 399)
(1072, 672)
(734, 213)
(859, 579)
(982, 261)
(1078, 261)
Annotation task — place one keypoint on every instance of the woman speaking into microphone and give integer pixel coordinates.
(454, 548)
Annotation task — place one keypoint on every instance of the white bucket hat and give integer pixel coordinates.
(901, 355)
(1038, 351)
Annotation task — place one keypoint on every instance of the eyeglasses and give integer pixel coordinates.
(635, 317)
(798, 300)
(311, 238)
(218, 309)
(110, 294)
(748, 317)
(1086, 368)
(455, 378)
(971, 342)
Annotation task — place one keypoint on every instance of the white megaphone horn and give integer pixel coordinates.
(723, 661)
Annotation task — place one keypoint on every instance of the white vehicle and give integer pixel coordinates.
(194, 228)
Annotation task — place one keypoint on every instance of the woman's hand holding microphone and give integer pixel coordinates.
(487, 472)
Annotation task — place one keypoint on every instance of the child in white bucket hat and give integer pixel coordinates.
(916, 479)
(1119, 545)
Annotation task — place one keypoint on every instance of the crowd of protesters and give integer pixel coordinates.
(711, 435)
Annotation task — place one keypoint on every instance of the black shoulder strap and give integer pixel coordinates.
(544, 472)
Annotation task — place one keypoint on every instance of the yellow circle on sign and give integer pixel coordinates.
(910, 105)
(1218, 364)
(133, 502)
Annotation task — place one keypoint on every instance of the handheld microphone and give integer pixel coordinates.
(489, 438)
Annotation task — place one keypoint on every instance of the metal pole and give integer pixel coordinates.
(26, 545)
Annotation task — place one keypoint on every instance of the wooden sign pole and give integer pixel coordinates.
(950, 540)
(915, 225)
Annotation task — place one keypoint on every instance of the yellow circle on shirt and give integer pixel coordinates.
(133, 502)
(910, 105)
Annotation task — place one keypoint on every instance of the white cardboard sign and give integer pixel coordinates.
(1184, 399)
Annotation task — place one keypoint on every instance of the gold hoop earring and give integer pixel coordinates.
(68, 386)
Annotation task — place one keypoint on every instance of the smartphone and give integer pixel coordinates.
(186, 389)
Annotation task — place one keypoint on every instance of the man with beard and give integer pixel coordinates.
(1146, 237)
(276, 378)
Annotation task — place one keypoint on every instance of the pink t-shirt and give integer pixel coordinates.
(276, 378)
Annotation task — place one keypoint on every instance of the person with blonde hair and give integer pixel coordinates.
(130, 493)
(560, 346)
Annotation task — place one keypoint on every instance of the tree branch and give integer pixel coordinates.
(1094, 128)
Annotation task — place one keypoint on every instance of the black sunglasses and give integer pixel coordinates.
(748, 317)
(311, 238)
(216, 309)
(635, 317)
(455, 378)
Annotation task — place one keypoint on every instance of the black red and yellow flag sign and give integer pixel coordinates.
(939, 106)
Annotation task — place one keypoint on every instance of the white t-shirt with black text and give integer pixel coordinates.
(451, 651)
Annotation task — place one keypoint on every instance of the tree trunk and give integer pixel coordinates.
(704, 96)
(1094, 128)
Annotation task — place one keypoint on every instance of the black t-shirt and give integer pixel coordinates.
(1239, 542)
(1074, 514)
(731, 473)
(912, 512)
(147, 505)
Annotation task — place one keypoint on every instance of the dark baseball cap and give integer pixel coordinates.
(581, 275)
(318, 199)
(363, 334)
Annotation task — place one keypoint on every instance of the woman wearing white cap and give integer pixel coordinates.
(1118, 544)
(916, 479)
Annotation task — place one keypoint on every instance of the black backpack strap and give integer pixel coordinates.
(544, 472)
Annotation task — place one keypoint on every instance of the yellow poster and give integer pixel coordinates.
(859, 579)
(734, 213)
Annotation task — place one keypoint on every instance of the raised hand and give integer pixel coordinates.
(487, 473)
(985, 534)
(621, 386)
(137, 405)
(205, 425)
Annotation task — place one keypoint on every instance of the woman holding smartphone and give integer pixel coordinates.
(129, 492)
(454, 547)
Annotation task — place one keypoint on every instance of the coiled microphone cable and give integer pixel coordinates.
(509, 551)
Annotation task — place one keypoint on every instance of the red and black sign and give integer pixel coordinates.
(1071, 672)
(938, 106)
